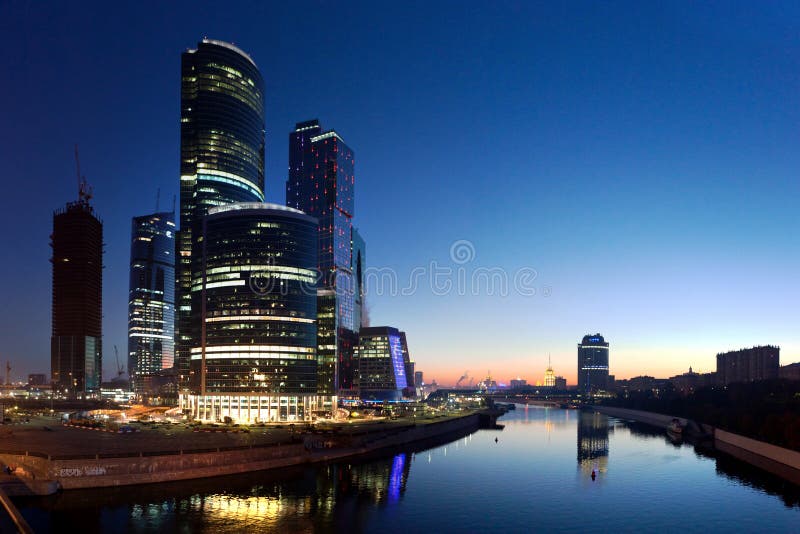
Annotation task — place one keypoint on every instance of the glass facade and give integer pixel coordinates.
(151, 298)
(254, 314)
(321, 183)
(592, 364)
(358, 264)
(381, 364)
(222, 155)
(76, 340)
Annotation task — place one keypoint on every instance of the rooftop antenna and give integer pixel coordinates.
(173, 204)
(158, 197)
(8, 373)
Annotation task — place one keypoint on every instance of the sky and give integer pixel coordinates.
(539, 171)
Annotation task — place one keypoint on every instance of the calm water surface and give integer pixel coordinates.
(536, 477)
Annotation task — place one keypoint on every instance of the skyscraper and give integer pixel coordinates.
(381, 366)
(592, 364)
(358, 264)
(151, 300)
(222, 155)
(549, 375)
(254, 316)
(321, 183)
(76, 341)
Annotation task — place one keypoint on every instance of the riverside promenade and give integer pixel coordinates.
(46, 456)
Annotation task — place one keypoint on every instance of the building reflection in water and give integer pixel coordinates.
(330, 498)
(592, 442)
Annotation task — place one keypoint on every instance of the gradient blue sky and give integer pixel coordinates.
(642, 157)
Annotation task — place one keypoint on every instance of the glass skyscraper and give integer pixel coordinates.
(151, 300)
(254, 316)
(381, 357)
(76, 341)
(321, 183)
(592, 364)
(222, 155)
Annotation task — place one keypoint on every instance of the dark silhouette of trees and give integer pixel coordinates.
(767, 410)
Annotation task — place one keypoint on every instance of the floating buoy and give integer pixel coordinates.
(495, 440)
(594, 474)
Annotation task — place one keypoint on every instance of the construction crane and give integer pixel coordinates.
(120, 368)
(84, 189)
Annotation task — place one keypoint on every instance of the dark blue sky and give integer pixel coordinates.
(642, 157)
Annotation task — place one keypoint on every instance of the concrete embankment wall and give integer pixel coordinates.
(777, 460)
(144, 468)
(655, 419)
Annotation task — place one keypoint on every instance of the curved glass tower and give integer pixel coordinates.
(222, 154)
(592, 364)
(254, 316)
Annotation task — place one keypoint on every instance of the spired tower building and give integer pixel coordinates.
(76, 342)
(222, 157)
(592, 364)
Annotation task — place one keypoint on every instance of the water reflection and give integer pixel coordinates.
(468, 485)
(328, 498)
(593, 430)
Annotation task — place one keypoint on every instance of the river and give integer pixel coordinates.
(534, 475)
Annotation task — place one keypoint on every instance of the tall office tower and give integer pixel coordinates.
(222, 155)
(151, 298)
(381, 370)
(321, 183)
(358, 265)
(748, 365)
(592, 364)
(76, 342)
(254, 316)
(408, 365)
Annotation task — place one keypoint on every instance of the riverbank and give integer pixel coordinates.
(71, 458)
(779, 461)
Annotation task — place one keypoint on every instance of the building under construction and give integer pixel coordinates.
(76, 342)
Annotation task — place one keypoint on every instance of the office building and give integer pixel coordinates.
(748, 365)
(518, 383)
(254, 316)
(560, 383)
(381, 367)
(77, 307)
(418, 382)
(151, 298)
(37, 379)
(592, 364)
(321, 183)
(358, 265)
(222, 155)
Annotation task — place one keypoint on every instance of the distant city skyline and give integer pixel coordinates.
(639, 160)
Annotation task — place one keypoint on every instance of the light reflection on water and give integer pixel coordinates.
(535, 476)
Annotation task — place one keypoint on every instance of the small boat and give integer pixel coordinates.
(675, 428)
